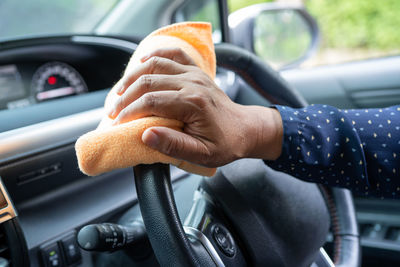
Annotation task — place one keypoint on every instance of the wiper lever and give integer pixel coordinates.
(111, 237)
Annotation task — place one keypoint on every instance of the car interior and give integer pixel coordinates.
(52, 90)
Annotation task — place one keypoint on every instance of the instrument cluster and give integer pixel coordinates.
(50, 81)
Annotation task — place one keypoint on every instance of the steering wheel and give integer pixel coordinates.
(249, 214)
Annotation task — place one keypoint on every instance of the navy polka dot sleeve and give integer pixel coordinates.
(357, 149)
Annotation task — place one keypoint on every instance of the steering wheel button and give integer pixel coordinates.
(224, 240)
(221, 239)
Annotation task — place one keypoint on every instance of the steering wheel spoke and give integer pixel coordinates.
(195, 235)
(207, 223)
(322, 260)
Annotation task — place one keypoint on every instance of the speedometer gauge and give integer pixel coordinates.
(55, 80)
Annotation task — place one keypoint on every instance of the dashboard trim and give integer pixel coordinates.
(7, 212)
(106, 41)
(42, 136)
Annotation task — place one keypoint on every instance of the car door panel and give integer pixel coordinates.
(363, 84)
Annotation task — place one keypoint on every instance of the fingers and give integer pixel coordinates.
(175, 144)
(154, 65)
(166, 104)
(145, 84)
(175, 54)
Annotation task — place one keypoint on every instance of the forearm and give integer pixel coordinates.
(342, 148)
(379, 133)
(320, 145)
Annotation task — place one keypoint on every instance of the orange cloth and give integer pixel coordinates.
(113, 147)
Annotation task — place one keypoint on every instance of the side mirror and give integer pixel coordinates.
(283, 36)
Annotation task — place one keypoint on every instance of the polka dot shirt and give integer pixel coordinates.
(358, 149)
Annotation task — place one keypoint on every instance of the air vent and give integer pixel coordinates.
(4, 248)
(13, 249)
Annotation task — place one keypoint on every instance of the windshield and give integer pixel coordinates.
(135, 18)
(45, 17)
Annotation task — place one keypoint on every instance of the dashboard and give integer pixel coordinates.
(46, 84)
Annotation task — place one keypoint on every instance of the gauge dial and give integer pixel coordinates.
(55, 80)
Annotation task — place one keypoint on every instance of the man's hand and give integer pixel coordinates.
(216, 130)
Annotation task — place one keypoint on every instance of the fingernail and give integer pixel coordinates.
(146, 57)
(111, 113)
(150, 138)
(120, 90)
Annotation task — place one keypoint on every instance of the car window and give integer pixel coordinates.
(195, 10)
(350, 29)
(44, 17)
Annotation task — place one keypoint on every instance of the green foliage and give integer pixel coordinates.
(358, 23)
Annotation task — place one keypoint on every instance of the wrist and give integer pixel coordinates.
(264, 133)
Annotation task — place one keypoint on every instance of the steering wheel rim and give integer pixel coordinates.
(153, 184)
(160, 216)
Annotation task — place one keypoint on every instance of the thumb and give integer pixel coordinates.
(174, 143)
